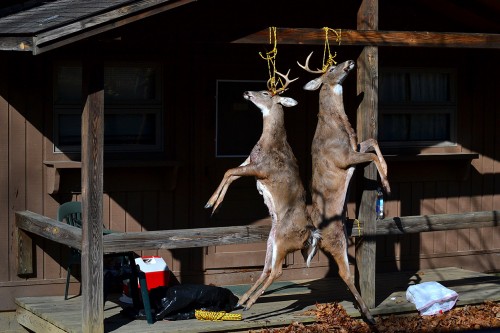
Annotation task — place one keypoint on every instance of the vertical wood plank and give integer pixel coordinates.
(452, 208)
(417, 195)
(427, 238)
(477, 144)
(490, 128)
(440, 208)
(25, 253)
(464, 203)
(48, 255)
(4, 166)
(166, 222)
(406, 203)
(496, 160)
(390, 243)
(367, 125)
(133, 213)
(92, 197)
(117, 212)
(17, 156)
(106, 211)
(150, 216)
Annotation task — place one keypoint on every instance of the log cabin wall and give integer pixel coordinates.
(144, 198)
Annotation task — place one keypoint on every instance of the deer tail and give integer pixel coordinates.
(312, 244)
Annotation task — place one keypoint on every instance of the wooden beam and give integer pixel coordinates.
(187, 238)
(184, 238)
(49, 228)
(92, 196)
(366, 128)
(147, 240)
(309, 36)
(16, 43)
(425, 223)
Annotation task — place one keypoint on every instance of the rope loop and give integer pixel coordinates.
(328, 58)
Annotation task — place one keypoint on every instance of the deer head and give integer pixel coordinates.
(265, 99)
(333, 75)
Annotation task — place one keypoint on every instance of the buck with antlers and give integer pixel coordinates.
(275, 168)
(335, 153)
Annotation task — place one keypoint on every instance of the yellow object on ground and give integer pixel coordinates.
(216, 315)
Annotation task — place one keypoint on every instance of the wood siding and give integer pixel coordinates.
(139, 198)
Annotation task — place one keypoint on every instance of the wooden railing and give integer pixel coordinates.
(29, 223)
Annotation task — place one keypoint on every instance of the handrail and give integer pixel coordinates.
(201, 237)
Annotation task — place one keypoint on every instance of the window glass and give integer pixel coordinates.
(126, 84)
(239, 122)
(68, 85)
(417, 107)
(133, 107)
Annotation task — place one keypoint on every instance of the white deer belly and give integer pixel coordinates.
(268, 199)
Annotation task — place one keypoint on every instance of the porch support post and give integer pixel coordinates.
(92, 188)
(367, 86)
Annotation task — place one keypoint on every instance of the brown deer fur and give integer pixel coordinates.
(335, 153)
(275, 168)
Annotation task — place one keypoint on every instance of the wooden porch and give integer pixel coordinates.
(283, 303)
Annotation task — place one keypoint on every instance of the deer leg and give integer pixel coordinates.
(230, 176)
(265, 272)
(365, 145)
(338, 250)
(279, 253)
(219, 194)
(218, 191)
(357, 158)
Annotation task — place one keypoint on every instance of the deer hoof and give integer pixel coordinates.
(371, 321)
(238, 307)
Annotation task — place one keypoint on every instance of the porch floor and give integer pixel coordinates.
(283, 303)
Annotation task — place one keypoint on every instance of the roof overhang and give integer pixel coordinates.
(44, 40)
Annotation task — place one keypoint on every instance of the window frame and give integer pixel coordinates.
(408, 107)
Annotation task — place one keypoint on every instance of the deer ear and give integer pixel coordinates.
(287, 101)
(313, 84)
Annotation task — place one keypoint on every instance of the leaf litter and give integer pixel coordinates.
(332, 317)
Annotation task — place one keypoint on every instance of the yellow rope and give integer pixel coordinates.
(270, 56)
(330, 61)
(359, 227)
(216, 315)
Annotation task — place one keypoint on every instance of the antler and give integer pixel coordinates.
(287, 82)
(306, 66)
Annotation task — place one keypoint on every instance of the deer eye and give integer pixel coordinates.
(266, 93)
(332, 69)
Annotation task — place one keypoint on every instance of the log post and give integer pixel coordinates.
(367, 86)
(92, 188)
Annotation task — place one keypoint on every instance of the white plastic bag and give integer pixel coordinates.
(431, 298)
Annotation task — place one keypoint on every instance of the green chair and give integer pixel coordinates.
(71, 213)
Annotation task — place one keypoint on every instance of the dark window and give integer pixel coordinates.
(417, 107)
(239, 122)
(133, 107)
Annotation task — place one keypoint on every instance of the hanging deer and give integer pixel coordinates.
(276, 171)
(335, 153)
